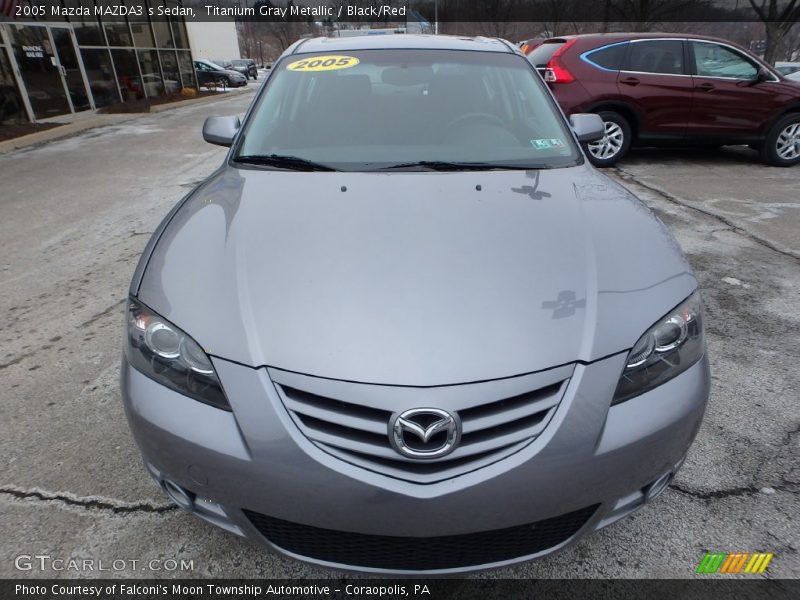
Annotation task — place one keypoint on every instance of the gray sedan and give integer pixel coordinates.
(405, 327)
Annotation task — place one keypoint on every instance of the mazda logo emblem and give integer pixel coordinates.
(424, 432)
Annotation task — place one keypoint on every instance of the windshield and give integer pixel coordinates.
(541, 54)
(368, 110)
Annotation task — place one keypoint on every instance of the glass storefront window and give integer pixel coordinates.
(151, 74)
(130, 84)
(142, 35)
(11, 108)
(87, 29)
(70, 68)
(92, 61)
(88, 32)
(101, 76)
(38, 66)
(161, 30)
(172, 76)
(118, 33)
(187, 69)
(163, 35)
(116, 28)
(179, 33)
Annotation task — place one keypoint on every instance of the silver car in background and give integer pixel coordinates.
(406, 327)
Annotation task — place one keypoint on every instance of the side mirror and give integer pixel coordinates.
(588, 127)
(220, 130)
(763, 75)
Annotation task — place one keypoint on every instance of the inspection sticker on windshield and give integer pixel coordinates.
(323, 63)
(546, 143)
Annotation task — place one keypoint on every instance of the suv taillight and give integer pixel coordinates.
(555, 72)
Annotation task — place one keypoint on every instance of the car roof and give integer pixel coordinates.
(402, 41)
(623, 36)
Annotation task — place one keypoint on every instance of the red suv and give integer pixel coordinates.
(661, 89)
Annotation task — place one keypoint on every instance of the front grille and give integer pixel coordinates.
(420, 554)
(492, 428)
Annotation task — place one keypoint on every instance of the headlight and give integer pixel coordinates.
(667, 349)
(166, 354)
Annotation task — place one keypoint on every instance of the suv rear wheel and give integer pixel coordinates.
(614, 144)
(782, 146)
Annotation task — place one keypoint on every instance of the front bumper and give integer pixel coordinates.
(593, 461)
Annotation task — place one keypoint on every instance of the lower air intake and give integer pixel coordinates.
(420, 554)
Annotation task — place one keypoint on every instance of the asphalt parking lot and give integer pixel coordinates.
(74, 217)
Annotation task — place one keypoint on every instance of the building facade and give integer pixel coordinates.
(214, 40)
(50, 67)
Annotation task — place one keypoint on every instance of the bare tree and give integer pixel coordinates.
(366, 21)
(779, 17)
(497, 17)
(278, 32)
(645, 15)
(791, 44)
(557, 14)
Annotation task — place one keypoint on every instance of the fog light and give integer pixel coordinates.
(177, 494)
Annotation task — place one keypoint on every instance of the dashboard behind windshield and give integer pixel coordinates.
(367, 110)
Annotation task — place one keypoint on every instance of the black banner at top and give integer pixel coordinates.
(421, 13)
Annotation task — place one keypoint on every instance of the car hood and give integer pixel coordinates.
(413, 278)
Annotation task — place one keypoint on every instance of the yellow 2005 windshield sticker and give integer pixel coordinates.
(323, 63)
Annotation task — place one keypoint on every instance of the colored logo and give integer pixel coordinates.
(740, 562)
(323, 63)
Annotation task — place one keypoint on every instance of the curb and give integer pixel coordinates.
(66, 130)
(100, 120)
(192, 101)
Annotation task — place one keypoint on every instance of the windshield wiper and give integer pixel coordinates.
(438, 165)
(295, 163)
